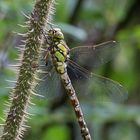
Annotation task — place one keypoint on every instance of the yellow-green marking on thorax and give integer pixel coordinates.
(60, 52)
(60, 57)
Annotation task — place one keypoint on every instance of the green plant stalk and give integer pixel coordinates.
(15, 122)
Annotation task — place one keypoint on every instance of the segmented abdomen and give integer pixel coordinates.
(75, 103)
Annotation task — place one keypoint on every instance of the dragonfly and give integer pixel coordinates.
(62, 60)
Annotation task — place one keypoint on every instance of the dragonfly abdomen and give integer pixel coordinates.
(75, 102)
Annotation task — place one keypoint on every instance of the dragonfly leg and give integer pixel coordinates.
(46, 58)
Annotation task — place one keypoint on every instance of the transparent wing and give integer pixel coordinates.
(94, 88)
(49, 84)
(94, 56)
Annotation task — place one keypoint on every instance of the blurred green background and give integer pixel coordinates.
(83, 22)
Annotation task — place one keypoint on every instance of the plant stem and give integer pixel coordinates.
(15, 122)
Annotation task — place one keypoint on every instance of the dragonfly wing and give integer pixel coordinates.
(94, 88)
(49, 86)
(94, 56)
(49, 83)
(102, 89)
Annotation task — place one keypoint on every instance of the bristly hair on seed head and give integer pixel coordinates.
(55, 34)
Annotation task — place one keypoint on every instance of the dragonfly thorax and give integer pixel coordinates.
(58, 49)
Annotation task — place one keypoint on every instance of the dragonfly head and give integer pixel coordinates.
(55, 34)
